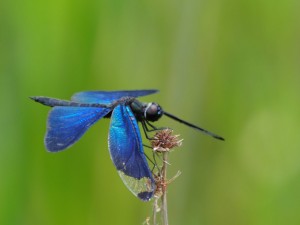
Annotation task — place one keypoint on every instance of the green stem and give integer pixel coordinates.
(164, 196)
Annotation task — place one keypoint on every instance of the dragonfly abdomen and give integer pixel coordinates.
(58, 102)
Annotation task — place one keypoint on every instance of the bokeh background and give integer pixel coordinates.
(229, 66)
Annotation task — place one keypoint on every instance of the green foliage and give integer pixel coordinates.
(231, 67)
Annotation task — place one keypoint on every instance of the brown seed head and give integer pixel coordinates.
(164, 141)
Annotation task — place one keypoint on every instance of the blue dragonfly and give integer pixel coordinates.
(69, 120)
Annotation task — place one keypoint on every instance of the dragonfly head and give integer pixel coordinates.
(153, 112)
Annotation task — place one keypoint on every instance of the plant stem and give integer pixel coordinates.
(164, 196)
(155, 211)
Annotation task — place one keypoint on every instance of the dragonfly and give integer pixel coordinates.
(69, 120)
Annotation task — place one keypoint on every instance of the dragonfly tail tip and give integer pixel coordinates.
(220, 138)
(33, 98)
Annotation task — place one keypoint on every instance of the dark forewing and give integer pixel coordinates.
(127, 154)
(107, 97)
(67, 124)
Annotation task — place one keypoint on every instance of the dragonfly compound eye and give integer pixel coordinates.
(153, 112)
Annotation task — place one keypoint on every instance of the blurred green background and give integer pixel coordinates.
(229, 66)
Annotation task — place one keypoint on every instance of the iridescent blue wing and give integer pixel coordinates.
(67, 124)
(127, 154)
(107, 97)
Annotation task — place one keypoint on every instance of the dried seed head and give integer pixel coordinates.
(159, 183)
(164, 141)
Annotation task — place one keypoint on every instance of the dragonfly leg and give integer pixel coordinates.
(153, 160)
(154, 164)
(147, 146)
(146, 130)
(154, 128)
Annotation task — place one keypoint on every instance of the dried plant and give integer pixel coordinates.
(162, 143)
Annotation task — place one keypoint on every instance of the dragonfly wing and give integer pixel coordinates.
(127, 154)
(107, 97)
(67, 124)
